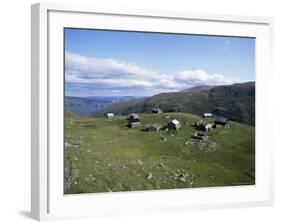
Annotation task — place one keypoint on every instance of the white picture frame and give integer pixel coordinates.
(47, 198)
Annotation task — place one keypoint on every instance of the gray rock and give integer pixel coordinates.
(149, 176)
(76, 142)
(182, 179)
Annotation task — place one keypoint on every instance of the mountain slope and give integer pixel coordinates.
(236, 102)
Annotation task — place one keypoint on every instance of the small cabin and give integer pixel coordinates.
(156, 110)
(204, 126)
(110, 115)
(174, 125)
(207, 115)
(152, 127)
(221, 121)
(134, 120)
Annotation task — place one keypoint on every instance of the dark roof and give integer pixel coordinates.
(135, 116)
(221, 119)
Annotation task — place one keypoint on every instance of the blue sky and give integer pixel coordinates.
(136, 63)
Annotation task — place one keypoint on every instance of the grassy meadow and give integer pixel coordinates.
(104, 155)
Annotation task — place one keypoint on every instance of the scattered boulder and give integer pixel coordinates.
(200, 136)
(182, 179)
(108, 189)
(71, 176)
(76, 142)
(149, 176)
(181, 175)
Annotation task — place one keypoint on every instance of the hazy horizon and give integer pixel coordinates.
(140, 96)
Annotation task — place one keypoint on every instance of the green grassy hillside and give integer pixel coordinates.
(103, 155)
(236, 102)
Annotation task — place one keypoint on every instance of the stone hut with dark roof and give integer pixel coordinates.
(156, 110)
(134, 120)
(221, 121)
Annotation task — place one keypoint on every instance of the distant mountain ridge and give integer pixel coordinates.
(236, 102)
(88, 106)
(197, 88)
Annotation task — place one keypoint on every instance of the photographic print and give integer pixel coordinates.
(152, 111)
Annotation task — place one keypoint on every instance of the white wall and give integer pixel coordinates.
(15, 110)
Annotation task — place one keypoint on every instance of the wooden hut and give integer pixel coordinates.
(221, 121)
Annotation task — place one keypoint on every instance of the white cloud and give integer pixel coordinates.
(200, 77)
(104, 75)
(91, 68)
